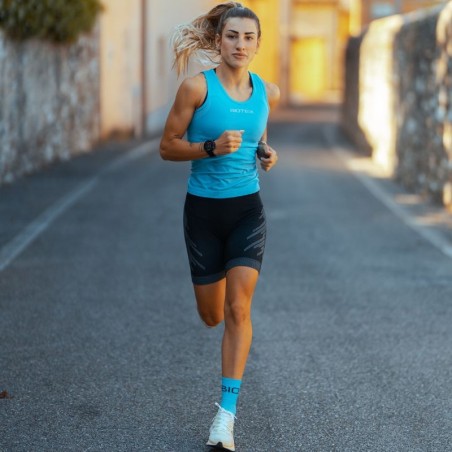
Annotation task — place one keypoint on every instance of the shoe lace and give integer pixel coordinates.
(223, 421)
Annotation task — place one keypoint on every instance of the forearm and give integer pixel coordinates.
(180, 150)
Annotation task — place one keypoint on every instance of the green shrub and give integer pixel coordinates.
(60, 21)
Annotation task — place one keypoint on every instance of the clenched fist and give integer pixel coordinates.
(228, 142)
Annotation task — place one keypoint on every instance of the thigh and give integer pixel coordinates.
(240, 285)
(205, 248)
(246, 242)
(210, 300)
(233, 295)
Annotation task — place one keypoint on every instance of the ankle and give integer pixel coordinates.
(230, 389)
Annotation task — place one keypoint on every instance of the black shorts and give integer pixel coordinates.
(223, 233)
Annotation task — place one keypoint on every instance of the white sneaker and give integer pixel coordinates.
(222, 430)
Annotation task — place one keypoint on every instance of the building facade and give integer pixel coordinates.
(304, 42)
(137, 80)
(302, 50)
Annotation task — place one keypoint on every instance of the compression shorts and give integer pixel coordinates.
(223, 233)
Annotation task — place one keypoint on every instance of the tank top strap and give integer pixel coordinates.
(210, 77)
(214, 89)
(259, 85)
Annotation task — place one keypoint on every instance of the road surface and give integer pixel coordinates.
(102, 349)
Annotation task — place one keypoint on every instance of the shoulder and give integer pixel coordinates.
(273, 93)
(197, 83)
(193, 89)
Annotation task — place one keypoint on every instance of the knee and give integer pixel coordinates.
(237, 312)
(210, 319)
(211, 322)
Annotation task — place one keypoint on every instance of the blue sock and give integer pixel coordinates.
(230, 389)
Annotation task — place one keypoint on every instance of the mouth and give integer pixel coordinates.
(239, 55)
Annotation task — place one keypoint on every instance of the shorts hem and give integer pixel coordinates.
(243, 262)
(209, 279)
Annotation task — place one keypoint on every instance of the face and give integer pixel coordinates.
(238, 42)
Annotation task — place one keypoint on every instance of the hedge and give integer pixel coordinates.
(59, 21)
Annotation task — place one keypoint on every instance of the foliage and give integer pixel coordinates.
(60, 21)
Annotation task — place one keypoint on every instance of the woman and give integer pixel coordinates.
(224, 112)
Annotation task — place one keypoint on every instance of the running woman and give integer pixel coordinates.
(223, 113)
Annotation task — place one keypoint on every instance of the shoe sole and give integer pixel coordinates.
(219, 446)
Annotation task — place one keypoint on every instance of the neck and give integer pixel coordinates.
(233, 76)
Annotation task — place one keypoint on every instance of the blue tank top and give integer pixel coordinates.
(236, 174)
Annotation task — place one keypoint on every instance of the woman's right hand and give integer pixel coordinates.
(228, 142)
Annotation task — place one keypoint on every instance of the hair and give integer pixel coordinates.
(198, 36)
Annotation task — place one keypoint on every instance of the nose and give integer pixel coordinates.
(240, 43)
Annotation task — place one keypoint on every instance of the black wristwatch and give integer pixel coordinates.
(209, 147)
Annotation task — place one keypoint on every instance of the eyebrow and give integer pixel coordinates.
(246, 32)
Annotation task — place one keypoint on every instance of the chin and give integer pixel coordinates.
(239, 64)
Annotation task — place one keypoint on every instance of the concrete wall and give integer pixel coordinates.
(120, 63)
(48, 103)
(161, 80)
(138, 84)
(57, 101)
(398, 98)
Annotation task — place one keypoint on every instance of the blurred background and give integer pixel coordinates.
(302, 51)
(380, 62)
(101, 342)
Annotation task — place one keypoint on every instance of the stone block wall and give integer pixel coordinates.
(49, 102)
(398, 98)
(350, 105)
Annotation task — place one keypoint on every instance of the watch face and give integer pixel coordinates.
(209, 146)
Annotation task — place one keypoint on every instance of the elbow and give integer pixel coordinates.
(164, 151)
(163, 154)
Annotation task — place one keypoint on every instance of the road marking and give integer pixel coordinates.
(33, 230)
(435, 238)
(13, 248)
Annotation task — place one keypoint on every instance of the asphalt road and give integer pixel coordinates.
(102, 349)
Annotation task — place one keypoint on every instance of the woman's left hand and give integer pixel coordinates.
(270, 160)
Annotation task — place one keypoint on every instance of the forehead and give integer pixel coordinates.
(241, 24)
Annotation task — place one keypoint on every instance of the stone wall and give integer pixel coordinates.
(49, 102)
(398, 98)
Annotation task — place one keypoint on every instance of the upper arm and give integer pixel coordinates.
(273, 94)
(189, 97)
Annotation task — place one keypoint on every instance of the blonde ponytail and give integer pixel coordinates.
(198, 37)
